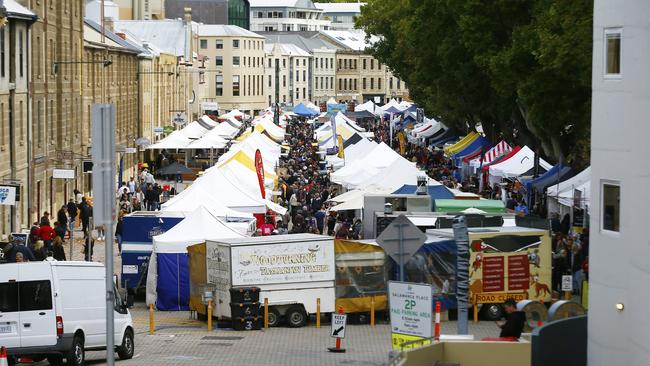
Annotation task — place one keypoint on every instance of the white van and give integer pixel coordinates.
(57, 310)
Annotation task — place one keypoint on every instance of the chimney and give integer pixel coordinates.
(187, 15)
(108, 23)
(121, 35)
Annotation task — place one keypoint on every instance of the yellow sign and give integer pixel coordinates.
(398, 341)
(498, 297)
(402, 143)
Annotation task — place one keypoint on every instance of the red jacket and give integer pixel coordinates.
(46, 233)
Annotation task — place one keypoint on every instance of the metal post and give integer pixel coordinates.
(318, 312)
(461, 237)
(401, 253)
(71, 225)
(209, 315)
(103, 152)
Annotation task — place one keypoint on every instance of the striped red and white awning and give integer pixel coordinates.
(496, 152)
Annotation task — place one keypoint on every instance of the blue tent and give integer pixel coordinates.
(393, 110)
(478, 144)
(173, 287)
(554, 175)
(435, 191)
(303, 111)
(448, 135)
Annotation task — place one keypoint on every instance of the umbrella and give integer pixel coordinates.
(174, 168)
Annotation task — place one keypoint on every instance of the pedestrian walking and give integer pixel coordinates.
(72, 213)
(85, 213)
(58, 252)
(118, 232)
(46, 233)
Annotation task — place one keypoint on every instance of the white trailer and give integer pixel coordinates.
(292, 272)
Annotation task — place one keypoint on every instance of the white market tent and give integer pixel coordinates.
(560, 197)
(392, 177)
(170, 249)
(353, 152)
(353, 199)
(226, 130)
(368, 106)
(516, 165)
(175, 140)
(194, 130)
(428, 128)
(379, 157)
(229, 191)
(332, 101)
(196, 198)
(313, 107)
(211, 140)
(235, 113)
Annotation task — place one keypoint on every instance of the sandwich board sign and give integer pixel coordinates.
(338, 325)
(411, 308)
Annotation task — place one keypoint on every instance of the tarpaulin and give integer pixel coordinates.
(361, 274)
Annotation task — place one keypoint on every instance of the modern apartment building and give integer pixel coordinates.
(15, 134)
(228, 12)
(342, 15)
(233, 58)
(620, 176)
(286, 16)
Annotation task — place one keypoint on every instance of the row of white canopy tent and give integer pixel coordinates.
(202, 134)
(515, 166)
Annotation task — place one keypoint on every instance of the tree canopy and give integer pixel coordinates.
(520, 68)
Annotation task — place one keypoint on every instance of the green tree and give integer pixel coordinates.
(521, 68)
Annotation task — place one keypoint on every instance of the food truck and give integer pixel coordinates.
(505, 262)
(291, 271)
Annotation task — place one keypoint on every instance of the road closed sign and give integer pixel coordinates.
(338, 325)
(411, 307)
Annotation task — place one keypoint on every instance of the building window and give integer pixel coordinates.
(345, 63)
(284, 81)
(260, 14)
(340, 64)
(364, 63)
(332, 81)
(284, 62)
(372, 83)
(372, 64)
(270, 63)
(355, 64)
(304, 75)
(399, 84)
(613, 52)
(3, 52)
(21, 53)
(378, 83)
(611, 206)
(219, 85)
(363, 82)
(235, 43)
(345, 84)
(340, 84)
(235, 85)
(235, 60)
(304, 62)
(270, 78)
(219, 44)
(219, 60)
(204, 43)
(390, 83)
(355, 84)
(304, 93)
(297, 75)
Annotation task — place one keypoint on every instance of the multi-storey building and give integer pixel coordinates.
(56, 104)
(373, 80)
(142, 9)
(230, 12)
(618, 244)
(234, 67)
(15, 64)
(342, 15)
(292, 73)
(286, 16)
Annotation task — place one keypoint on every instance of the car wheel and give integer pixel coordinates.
(77, 354)
(492, 312)
(273, 317)
(126, 349)
(55, 360)
(296, 317)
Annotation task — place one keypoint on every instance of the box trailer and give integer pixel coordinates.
(291, 271)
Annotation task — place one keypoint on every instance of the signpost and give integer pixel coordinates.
(401, 240)
(103, 153)
(63, 174)
(339, 321)
(461, 237)
(179, 118)
(411, 308)
(567, 286)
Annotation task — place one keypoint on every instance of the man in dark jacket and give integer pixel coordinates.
(85, 212)
(72, 212)
(515, 320)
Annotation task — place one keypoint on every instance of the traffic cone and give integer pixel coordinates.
(3, 357)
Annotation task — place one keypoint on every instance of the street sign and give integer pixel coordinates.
(63, 173)
(411, 308)
(158, 130)
(401, 240)
(567, 283)
(103, 154)
(338, 325)
(7, 195)
(179, 118)
(130, 150)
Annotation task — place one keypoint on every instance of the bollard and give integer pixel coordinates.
(209, 315)
(436, 335)
(372, 311)
(266, 313)
(567, 295)
(318, 312)
(151, 324)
